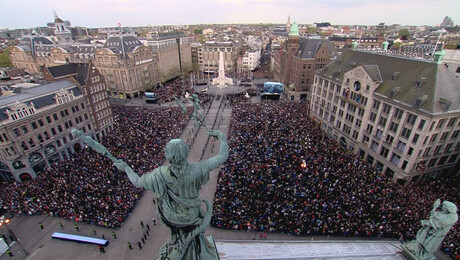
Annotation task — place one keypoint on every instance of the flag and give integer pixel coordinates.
(119, 25)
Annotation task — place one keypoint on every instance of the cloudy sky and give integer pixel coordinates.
(102, 13)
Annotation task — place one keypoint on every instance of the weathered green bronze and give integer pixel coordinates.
(433, 231)
(178, 189)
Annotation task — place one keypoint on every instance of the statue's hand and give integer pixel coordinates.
(215, 133)
(437, 203)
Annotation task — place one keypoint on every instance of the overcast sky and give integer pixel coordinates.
(104, 13)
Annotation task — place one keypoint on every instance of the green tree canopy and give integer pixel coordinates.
(198, 31)
(5, 60)
(404, 34)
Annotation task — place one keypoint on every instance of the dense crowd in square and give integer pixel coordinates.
(285, 175)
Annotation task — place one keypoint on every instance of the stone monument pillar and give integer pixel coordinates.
(433, 231)
(221, 81)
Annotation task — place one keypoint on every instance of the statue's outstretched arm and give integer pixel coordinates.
(133, 177)
(223, 151)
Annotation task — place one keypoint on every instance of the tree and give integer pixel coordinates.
(404, 34)
(5, 60)
(198, 31)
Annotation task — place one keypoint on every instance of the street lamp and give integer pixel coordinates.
(4, 222)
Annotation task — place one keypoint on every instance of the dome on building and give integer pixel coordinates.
(294, 31)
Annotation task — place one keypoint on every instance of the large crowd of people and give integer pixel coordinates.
(87, 187)
(284, 175)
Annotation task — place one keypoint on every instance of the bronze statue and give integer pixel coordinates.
(433, 231)
(177, 187)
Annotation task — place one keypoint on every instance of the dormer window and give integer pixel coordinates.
(20, 110)
(64, 96)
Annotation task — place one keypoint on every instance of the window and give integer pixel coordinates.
(24, 129)
(398, 113)
(444, 136)
(421, 124)
(379, 133)
(59, 127)
(395, 159)
(405, 133)
(48, 119)
(386, 108)
(410, 151)
(415, 139)
(376, 104)
(433, 138)
(369, 128)
(16, 132)
(411, 118)
(382, 121)
(34, 125)
(455, 134)
(40, 122)
(451, 122)
(440, 123)
(404, 165)
(448, 147)
(372, 117)
(432, 162)
(437, 149)
(427, 151)
(393, 127)
(384, 152)
(401, 145)
(389, 139)
(432, 125)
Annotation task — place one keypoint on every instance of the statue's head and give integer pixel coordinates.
(449, 206)
(176, 151)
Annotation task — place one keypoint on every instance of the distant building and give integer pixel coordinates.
(128, 66)
(295, 64)
(35, 127)
(174, 54)
(251, 60)
(208, 56)
(94, 88)
(401, 115)
(447, 22)
(25, 54)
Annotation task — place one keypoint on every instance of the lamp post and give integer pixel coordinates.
(4, 222)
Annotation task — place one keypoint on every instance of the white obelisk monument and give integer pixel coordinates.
(221, 81)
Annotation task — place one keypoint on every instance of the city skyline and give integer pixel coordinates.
(108, 13)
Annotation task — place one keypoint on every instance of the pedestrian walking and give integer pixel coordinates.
(60, 224)
(142, 224)
(9, 253)
(41, 225)
(101, 249)
(145, 236)
(94, 231)
(147, 233)
(139, 245)
(129, 245)
(143, 240)
(148, 227)
(153, 200)
(154, 221)
(114, 235)
(76, 227)
(103, 237)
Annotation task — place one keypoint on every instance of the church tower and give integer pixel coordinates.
(291, 47)
(288, 25)
(62, 33)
